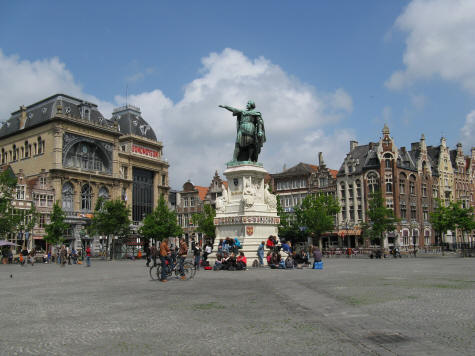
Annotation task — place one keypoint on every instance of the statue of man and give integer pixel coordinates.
(251, 134)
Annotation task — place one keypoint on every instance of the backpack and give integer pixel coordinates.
(282, 264)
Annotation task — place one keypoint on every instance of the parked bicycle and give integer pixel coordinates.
(189, 270)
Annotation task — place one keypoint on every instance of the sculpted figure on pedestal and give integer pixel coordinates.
(269, 198)
(222, 200)
(251, 134)
(248, 193)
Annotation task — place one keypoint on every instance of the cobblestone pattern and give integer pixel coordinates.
(352, 307)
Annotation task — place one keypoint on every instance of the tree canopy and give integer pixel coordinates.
(111, 217)
(55, 229)
(316, 214)
(160, 223)
(380, 218)
(205, 221)
(445, 218)
(288, 226)
(8, 220)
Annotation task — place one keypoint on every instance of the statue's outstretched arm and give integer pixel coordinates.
(230, 108)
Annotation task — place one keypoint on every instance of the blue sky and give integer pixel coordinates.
(343, 69)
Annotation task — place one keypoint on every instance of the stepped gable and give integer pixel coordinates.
(131, 122)
(38, 113)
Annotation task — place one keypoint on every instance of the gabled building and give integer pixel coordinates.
(407, 181)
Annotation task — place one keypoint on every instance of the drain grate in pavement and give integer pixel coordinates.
(382, 338)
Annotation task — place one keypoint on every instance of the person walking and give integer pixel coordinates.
(63, 253)
(197, 254)
(182, 252)
(260, 253)
(164, 253)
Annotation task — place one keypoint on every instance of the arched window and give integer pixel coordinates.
(388, 163)
(68, 196)
(40, 145)
(86, 197)
(342, 190)
(104, 193)
(373, 184)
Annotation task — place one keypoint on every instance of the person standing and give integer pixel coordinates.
(153, 254)
(164, 253)
(32, 257)
(260, 253)
(24, 255)
(197, 254)
(182, 252)
(88, 256)
(146, 249)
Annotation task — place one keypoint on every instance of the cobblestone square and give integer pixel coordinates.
(422, 306)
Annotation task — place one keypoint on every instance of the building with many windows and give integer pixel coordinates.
(411, 181)
(65, 145)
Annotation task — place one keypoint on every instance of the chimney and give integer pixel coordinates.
(321, 163)
(415, 146)
(353, 145)
(403, 149)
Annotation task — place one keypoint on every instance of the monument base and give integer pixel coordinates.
(247, 210)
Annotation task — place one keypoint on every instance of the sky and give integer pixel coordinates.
(322, 73)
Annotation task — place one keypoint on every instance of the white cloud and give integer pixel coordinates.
(198, 136)
(468, 131)
(24, 82)
(439, 43)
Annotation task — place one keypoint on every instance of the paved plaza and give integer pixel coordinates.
(422, 306)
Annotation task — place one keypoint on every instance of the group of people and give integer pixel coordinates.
(168, 257)
(284, 256)
(62, 255)
(230, 261)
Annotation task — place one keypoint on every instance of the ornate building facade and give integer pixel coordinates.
(71, 148)
(411, 181)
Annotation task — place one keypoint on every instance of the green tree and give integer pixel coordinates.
(55, 229)
(8, 220)
(205, 221)
(288, 227)
(380, 219)
(462, 217)
(111, 218)
(160, 223)
(442, 220)
(317, 215)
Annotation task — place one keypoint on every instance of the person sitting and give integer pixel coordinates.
(275, 260)
(301, 258)
(229, 262)
(317, 254)
(270, 243)
(241, 261)
(218, 265)
(225, 245)
(287, 247)
(207, 251)
(237, 245)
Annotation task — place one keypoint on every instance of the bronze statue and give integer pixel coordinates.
(251, 134)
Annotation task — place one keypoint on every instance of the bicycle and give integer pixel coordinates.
(189, 270)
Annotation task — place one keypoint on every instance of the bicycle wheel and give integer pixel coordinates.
(154, 272)
(189, 270)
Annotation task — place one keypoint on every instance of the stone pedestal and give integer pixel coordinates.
(246, 210)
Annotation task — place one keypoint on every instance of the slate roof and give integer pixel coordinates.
(129, 117)
(44, 110)
(299, 169)
(131, 121)
(364, 156)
